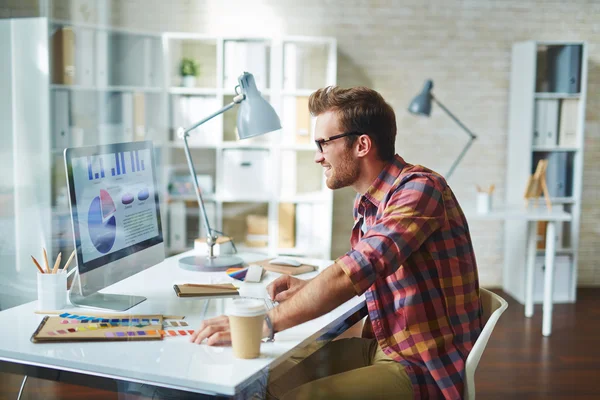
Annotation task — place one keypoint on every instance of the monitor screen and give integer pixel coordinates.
(114, 201)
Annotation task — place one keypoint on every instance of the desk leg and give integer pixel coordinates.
(529, 273)
(549, 278)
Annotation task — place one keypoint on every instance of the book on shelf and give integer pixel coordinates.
(567, 132)
(287, 225)
(63, 56)
(139, 117)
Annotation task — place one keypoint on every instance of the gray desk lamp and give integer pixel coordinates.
(255, 117)
(421, 105)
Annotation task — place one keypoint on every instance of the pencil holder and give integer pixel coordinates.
(52, 290)
(484, 202)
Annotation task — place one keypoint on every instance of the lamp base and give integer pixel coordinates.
(205, 264)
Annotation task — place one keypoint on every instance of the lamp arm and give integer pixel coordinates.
(184, 134)
(467, 130)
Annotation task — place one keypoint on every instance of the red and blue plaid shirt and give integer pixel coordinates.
(412, 257)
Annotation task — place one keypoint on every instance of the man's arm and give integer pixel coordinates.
(322, 294)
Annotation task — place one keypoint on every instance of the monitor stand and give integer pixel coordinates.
(103, 301)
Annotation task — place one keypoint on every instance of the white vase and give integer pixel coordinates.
(188, 81)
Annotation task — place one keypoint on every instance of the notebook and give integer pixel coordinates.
(206, 290)
(283, 269)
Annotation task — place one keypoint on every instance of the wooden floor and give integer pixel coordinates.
(519, 363)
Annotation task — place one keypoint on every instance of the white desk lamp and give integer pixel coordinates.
(255, 117)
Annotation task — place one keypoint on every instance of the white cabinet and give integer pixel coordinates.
(546, 121)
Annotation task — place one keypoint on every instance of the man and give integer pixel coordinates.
(411, 256)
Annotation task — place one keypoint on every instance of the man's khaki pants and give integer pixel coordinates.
(354, 368)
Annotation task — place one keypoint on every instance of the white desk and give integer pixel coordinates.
(533, 216)
(173, 362)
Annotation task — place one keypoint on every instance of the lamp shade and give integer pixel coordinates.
(421, 104)
(255, 115)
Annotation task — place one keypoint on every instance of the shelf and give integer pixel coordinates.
(550, 95)
(298, 92)
(559, 252)
(83, 88)
(244, 144)
(189, 197)
(554, 148)
(193, 91)
(304, 198)
(299, 147)
(98, 27)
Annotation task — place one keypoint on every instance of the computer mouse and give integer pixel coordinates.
(285, 261)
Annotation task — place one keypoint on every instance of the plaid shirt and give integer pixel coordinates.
(412, 257)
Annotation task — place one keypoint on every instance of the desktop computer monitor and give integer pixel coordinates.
(116, 219)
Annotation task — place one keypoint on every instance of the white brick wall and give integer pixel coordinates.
(393, 46)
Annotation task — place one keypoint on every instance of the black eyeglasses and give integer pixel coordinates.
(320, 142)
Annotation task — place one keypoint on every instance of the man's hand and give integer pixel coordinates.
(284, 287)
(215, 330)
(218, 332)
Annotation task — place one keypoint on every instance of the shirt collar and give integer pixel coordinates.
(384, 181)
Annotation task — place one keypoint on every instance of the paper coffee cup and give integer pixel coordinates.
(246, 317)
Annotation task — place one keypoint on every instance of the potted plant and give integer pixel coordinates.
(189, 69)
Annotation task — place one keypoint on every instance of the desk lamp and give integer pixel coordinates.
(255, 117)
(421, 105)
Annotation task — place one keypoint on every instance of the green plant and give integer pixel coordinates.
(189, 67)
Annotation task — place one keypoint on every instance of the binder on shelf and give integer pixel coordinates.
(567, 133)
(288, 173)
(127, 116)
(539, 124)
(60, 132)
(245, 56)
(102, 56)
(177, 225)
(257, 234)
(287, 225)
(303, 121)
(84, 57)
(246, 172)
(63, 56)
(557, 174)
(564, 68)
(546, 122)
(139, 117)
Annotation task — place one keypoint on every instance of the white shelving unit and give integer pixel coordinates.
(546, 122)
(112, 85)
(105, 87)
(287, 71)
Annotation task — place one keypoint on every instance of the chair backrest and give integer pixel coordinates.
(493, 307)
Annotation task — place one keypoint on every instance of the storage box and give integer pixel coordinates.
(246, 173)
(257, 231)
(287, 225)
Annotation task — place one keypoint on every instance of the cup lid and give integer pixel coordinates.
(246, 308)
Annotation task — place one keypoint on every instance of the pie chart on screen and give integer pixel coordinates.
(102, 224)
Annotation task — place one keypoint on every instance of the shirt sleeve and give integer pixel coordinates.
(412, 214)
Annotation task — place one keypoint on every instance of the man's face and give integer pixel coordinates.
(341, 167)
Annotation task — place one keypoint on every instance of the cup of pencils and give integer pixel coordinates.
(484, 199)
(52, 282)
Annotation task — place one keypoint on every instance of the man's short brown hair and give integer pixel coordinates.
(359, 109)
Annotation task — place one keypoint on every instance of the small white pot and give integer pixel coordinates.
(188, 81)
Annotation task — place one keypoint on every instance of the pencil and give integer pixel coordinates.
(57, 263)
(69, 260)
(37, 264)
(46, 261)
